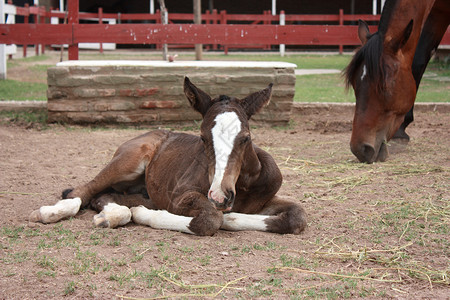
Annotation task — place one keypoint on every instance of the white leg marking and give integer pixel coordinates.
(62, 209)
(224, 133)
(238, 221)
(113, 215)
(161, 219)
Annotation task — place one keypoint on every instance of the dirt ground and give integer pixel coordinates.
(374, 231)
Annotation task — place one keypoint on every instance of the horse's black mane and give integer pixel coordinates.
(371, 53)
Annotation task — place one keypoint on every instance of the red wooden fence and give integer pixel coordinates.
(226, 30)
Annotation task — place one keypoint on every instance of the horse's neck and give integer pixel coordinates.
(403, 12)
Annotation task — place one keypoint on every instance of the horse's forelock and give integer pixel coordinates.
(371, 56)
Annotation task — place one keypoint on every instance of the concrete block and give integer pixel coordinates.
(152, 92)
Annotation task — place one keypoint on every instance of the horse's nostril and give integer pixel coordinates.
(368, 153)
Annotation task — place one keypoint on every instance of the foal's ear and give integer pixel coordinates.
(398, 42)
(363, 32)
(254, 102)
(199, 100)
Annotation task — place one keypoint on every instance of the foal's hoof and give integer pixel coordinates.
(35, 216)
(100, 220)
(112, 215)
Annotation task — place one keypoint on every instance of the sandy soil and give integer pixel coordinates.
(381, 229)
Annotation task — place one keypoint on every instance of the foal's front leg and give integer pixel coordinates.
(190, 213)
(278, 216)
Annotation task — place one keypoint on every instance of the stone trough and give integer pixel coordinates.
(151, 92)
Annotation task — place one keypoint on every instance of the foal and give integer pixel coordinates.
(187, 183)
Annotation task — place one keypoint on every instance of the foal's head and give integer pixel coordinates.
(226, 137)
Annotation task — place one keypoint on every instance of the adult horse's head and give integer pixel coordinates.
(381, 76)
(225, 133)
(385, 90)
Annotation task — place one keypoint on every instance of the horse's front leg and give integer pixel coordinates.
(190, 213)
(278, 216)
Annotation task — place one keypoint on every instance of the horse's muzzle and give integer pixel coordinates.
(227, 203)
(367, 153)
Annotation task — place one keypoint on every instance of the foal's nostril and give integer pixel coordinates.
(230, 195)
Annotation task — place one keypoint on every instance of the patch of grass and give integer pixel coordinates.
(46, 262)
(87, 262)
(322, 88)
(70, 288)
(124, 278)
(18, 90)
(15, 257)
(303, 61)
(47, 273)
(205, 260)
(60, 237)
(35, 118)
(12, 232)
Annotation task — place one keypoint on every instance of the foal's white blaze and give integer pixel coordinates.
(62, 209)
(224, 133)
(161, 219)
(364, 73)
(238, 221)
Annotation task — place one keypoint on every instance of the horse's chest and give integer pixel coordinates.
(172, 173)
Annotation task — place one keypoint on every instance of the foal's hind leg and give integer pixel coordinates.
(114, 208)
(127, 166)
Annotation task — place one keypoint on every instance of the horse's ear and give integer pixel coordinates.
(398, 43)
(254, 102)
(363, 32)
(199, 100)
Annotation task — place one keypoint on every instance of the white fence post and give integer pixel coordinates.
(2, 46)
(6, 50)
(282, 23)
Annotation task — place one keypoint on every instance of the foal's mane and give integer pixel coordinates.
(371, 53)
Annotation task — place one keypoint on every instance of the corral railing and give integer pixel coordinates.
(219, 31)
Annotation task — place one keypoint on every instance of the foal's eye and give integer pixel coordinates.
(203, 139)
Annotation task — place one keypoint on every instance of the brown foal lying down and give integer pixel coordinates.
(193, 184)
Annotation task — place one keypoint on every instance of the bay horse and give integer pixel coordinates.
(188, 183)
(386, 72)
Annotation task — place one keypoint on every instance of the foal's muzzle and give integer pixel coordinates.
(227, 203)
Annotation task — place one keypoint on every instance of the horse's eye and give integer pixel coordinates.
(203, 139)
(246, 139)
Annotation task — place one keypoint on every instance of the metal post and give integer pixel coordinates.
(152, 6)
(282, 23)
